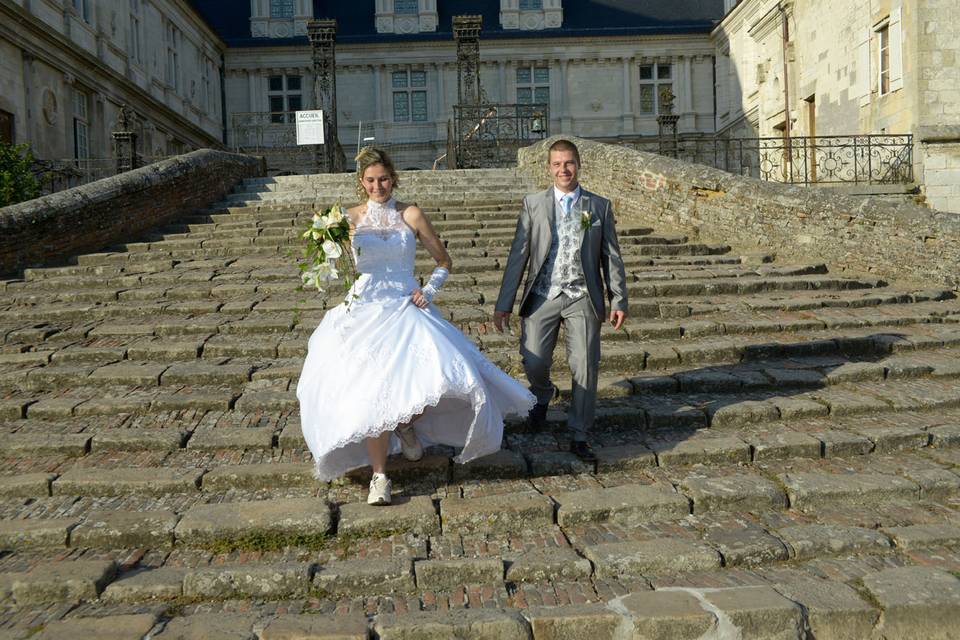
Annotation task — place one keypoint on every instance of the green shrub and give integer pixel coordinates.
(17, 182)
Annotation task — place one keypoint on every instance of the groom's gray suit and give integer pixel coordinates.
(543, 308)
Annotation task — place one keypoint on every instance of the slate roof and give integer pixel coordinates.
(355, 20)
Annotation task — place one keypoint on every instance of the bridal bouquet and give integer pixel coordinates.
(328, 256)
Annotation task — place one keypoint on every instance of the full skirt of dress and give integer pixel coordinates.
(371, 367)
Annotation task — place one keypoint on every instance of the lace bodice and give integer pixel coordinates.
(384, 247)
(383, 243)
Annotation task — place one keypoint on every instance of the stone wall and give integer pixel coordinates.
(892, 240)
(100, 213)
(940, 158)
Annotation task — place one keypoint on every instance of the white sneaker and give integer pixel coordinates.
(409, 443)
(379, 490)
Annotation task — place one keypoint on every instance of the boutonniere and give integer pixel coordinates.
(585, 220)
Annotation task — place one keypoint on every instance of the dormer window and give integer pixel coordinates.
(279, 18)
(281, 9)
(531, 15)
(406, 16)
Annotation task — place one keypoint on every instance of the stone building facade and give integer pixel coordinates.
(598, 65)
(69, 66)
(853, 67)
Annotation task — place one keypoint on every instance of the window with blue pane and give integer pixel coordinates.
(533, 85)
(531, 5)
(409, 96)
(281, 8)
(406, 7)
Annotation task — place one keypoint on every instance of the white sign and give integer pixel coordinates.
(309, 127)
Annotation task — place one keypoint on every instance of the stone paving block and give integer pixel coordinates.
(573, 621)
(210, 626)
(700, 450)
(667, 615)
(741, 413)
(193, 400)
(141, 374)
(818, 540)
(476, 624)
(938, 484)
(27, 485)
(746, 546)
(138, 440)
(164, 350)
(557, 463)
(267, 401)
(947, 435)
(115, 529)
(351, 626)
(924, 535)
(259, 476)
(291, 437)
(545, 565)
(288, 518)
(144, 585)
(891, 439)
(624, 458)
(36, 532)
(505, 513)
(231, 438)
(13, 409)
(452, 573)
(202, 373)
(123, 481)
(40, 444)
(783, 445)
(415, 514)
(759, 612)
(64, 581)
(843, 444)
(629, 505)
(112, 406)
(917, 602)
(650, 557)
(855, 372)
(794, 408)
(502, 464)
(53, 408)
(366, 576)
(834, 610)
(250, 580)
(747, 492)
(115, 627)
(811, 490)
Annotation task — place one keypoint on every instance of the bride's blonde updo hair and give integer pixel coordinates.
(368, 157)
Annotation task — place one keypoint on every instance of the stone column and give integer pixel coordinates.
(566, 121)
(125, 141)
(627, 115)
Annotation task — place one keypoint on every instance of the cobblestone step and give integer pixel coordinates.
(778, 450)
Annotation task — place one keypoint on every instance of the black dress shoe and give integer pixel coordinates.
(537, 418)
(583, 450)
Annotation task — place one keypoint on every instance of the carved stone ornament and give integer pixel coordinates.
(50, 109)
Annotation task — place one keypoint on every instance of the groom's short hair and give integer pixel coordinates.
(564, 145)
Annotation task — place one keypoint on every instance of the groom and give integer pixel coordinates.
(567, 244)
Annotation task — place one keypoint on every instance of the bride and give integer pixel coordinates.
(385, 372)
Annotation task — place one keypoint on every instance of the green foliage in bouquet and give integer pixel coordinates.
(17, 182)
(327, 255)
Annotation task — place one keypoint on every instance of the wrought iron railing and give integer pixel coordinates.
(857, 159)
(488, 135)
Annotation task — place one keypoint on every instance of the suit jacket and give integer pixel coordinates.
(599, 252)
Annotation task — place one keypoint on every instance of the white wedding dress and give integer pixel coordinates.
(380, 360)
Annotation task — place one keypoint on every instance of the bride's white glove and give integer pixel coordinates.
(437, 278)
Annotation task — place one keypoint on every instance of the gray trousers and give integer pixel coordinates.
(537, 341)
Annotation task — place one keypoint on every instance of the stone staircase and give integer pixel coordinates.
(779, 449)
